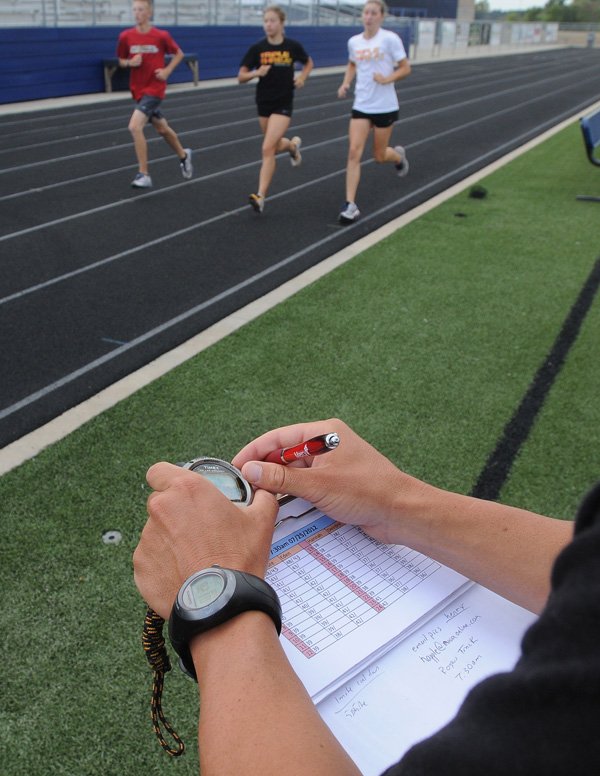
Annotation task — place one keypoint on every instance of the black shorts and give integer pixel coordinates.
(149, 106)
(265, 109)
(379, 120)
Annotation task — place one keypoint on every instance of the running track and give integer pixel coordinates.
(98, 279)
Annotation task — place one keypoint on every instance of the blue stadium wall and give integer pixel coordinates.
(38, 62)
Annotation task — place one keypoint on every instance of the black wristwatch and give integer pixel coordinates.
(211, 597)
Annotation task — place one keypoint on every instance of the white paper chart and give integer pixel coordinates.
(336, 579)
(345, 597)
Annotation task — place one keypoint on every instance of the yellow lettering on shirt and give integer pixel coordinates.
(283, 58)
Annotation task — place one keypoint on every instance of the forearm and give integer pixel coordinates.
(246, 75)
(176, 60)
(509, 550)
(165, 73)
(401, 72)
(307, 69)
(256, 718)
(349, 75)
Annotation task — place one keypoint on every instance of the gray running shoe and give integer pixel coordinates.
(142, 181)
(402, 166)
(295, 155)
(186, 164)
(349, 213)
(257, 202)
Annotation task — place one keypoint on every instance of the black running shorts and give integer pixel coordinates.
(380, 120)
(265, 109)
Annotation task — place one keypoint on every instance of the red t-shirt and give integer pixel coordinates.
(152, 45)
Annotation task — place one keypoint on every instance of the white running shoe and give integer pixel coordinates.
(257, 201)
(349, 213)
(142, 181)
(295, 155)
(186, 164)
(402, 166)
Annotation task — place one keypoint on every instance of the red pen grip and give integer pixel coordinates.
(311, 447)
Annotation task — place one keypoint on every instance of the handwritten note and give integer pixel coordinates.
(453, 645)
(416, 688)
(347, 698)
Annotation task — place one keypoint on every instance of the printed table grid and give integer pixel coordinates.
(336, 580)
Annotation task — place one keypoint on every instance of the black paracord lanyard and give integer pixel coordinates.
(156, 653)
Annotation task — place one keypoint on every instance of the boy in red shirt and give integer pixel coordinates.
(142, 48)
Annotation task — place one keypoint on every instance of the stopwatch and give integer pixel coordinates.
(224, 476)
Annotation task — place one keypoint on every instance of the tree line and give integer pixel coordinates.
(575, 11)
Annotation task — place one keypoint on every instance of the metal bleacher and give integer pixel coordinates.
(64, 13)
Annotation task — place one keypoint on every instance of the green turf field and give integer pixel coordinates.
(425, 344)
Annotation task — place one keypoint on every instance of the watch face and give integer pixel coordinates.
(224, 476)
(225, 481)
(203, 590)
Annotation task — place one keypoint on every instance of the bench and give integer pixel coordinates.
(112, 65)
(590, 129)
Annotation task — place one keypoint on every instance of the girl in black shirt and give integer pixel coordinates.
(272, 61)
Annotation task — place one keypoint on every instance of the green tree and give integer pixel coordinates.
(482, 9)
(533, 15)
(559, 11)
(588, 10)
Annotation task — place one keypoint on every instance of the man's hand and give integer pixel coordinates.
(191, 525)
(354, 483)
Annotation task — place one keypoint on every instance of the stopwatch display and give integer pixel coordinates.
(224, 476)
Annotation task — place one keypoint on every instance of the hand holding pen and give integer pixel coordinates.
(318, 445)
(356, 484)
(315, 446)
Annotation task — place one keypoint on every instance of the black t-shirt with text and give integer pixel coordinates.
(278, 85)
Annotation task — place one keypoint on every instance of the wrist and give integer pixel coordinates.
(251, 623)
(432, 520)
(231, 642)
(413, 512)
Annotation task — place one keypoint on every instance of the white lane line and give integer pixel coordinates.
(123, 254)
(66, 379)
(196, 181)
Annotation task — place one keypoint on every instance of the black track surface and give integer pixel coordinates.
(97, 279)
